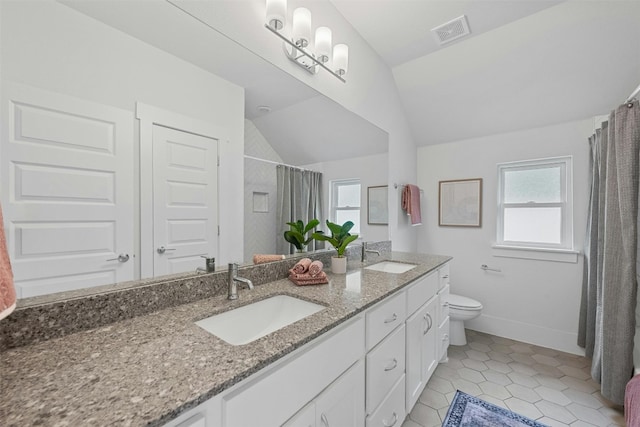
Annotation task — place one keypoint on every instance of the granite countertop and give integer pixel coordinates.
(149, 369)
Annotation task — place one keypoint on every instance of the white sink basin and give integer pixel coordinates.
(391, 267)
(250, 322)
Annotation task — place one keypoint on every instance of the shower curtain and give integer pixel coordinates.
(611, 265)
(299, 198)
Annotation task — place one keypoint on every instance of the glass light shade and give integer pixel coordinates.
(276, 13)
(341, 59)
(301, 31)
(323, 44)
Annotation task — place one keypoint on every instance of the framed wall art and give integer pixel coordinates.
(377, 205)
(460, 203)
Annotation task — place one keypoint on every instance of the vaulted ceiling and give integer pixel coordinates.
(526, 63)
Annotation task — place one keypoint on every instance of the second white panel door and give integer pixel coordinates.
(185, 195)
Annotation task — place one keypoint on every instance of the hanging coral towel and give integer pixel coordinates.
(7, 290)
(411, 203)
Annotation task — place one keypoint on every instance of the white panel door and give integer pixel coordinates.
(185, 196)
(67, 172)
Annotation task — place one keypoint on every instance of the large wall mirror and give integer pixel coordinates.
(83, 117)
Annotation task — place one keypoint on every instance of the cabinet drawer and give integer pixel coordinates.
(391, 412)
(443, 339)
(443, 307)
(443, 273)
(385, 365)
(384, 318)
(421, 291)
(284, 389)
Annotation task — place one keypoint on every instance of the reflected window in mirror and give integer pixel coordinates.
(345, 202)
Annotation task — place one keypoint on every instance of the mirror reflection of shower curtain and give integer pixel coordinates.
(299, 198)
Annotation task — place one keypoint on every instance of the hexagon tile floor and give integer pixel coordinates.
(549, 386)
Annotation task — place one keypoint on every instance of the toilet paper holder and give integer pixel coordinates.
(485, 267)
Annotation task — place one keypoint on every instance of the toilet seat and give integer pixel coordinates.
(459, 302)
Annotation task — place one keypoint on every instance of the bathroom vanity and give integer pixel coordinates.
(362, 360)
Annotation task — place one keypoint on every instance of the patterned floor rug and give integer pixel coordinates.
(469, 411)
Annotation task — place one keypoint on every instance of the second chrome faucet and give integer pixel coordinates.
(233, 281)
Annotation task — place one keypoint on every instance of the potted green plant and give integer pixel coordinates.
(297, 233)
(339, 239)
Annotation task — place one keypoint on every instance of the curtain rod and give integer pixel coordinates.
(276, 163)
(633, 94)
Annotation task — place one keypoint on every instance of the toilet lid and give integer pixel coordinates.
(461, 302)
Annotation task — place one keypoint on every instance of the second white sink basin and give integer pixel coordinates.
(391, 267)
(250, 322)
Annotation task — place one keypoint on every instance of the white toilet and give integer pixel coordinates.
(461, 309)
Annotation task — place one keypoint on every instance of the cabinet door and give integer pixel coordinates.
(421, 351)
(342, 403)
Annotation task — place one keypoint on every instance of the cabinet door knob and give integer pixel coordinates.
(394, 417)
(392, 318)
(393, 365)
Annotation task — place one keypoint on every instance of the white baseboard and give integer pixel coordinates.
(526, 332)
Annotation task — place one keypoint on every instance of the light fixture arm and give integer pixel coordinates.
(293, 56)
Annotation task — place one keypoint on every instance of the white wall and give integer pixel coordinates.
(50, 46)
(372, 171)
(532, 301)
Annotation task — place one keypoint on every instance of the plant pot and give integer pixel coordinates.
(338, 265)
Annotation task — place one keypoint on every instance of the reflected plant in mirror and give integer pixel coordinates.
(297, 234)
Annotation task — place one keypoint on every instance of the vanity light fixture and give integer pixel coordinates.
(299, 47)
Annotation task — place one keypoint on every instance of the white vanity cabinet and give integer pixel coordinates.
(385, 361)
(421, 337)
(341, 404)
(443, 312)
(274, 396)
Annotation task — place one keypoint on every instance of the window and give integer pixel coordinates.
(345, 202)
(535, 204)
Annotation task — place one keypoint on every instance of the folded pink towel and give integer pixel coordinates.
(302, 266)
(411, 203)
(7, 290)
(262, 258)
(320, 279)
(315, 268)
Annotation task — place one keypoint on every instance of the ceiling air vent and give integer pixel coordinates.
(452, 30)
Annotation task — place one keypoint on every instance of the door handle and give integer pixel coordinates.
(162, 249)
(121, 258)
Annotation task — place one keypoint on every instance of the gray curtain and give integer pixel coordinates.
(299, 198)
(611, 267)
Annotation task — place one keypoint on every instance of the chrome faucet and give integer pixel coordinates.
(365, 250)
(233, 281)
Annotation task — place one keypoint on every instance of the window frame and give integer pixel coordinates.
(333, 200)
(565, 205)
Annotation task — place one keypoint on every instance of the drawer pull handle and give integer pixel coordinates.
(394, 417)
(446, 276)
(391, 368)
(392, 319)
(445, 304)
(324, 420)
